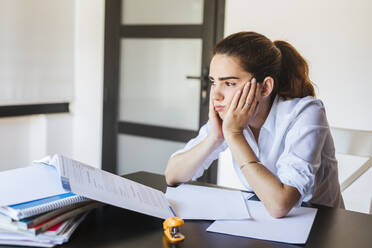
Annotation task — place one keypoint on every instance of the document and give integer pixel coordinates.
(29, 183)
(294, 228)
(200, 202)
(106, 187)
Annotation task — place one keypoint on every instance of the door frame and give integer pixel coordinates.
(210, 32)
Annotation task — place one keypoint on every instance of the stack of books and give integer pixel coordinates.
(43, 222)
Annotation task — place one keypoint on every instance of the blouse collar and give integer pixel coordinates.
(270, 122)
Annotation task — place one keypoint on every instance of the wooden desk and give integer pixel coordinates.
(111, 227)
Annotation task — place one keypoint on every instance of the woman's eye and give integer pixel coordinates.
(230, 84)
(212, 83)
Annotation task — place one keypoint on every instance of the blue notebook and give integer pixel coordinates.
(32, 208)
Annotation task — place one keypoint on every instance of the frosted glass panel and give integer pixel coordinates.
(162, 12)
(144, 154)
(153, 85)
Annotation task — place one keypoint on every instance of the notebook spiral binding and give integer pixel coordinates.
(52, 206)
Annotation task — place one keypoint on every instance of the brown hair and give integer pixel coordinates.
(262, 58)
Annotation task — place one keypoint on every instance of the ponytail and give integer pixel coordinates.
(293, 78)
(262, 58)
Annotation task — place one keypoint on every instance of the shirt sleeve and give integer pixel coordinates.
(303, 145)
(203, 132)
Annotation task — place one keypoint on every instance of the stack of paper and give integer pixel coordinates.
(36, 200)
(36, 210)
(56, 235)
(236, 215)
(43, 222)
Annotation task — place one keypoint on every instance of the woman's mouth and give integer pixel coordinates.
(219, 108)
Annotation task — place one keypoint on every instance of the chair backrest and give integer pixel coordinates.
(352, 142)
(356, 143)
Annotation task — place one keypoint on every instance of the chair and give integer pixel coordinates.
(356, 143)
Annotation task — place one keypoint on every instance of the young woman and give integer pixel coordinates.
(263, 108)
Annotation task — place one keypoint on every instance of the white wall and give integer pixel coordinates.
(88, 102)
(76, 134)
(14, 144)
(36, 66)
(36, 51)
(24, 139)
(334, 37)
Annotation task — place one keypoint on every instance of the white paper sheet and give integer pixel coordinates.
(106, 187)
(25, 243)
(29, 183)
(294, 228)
(198, 202)
(60, 236)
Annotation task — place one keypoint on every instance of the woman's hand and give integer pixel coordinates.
(241, 109)
(215, 123)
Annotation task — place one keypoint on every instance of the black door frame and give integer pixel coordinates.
(210, 32)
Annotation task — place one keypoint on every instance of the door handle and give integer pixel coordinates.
(204, 80)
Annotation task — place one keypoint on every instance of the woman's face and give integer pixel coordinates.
(227, 77)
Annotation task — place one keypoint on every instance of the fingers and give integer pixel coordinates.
(252, 92)
(251, 98)
(235, 100)
(242, 100)
(254, 101)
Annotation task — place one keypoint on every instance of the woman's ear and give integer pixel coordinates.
(267, 86)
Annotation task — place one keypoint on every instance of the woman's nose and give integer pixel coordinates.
(217, 93)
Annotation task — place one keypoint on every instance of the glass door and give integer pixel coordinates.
(156, 79)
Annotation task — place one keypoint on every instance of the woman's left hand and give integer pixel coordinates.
(241, 109)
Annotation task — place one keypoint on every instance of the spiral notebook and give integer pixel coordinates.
(31, 208)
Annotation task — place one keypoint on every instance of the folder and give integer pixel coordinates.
(32, 208)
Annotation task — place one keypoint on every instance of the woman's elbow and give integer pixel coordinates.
(281, 208)
(169, 175)
(282, 205)
(169, 179)
(278, 212)
(173, 178)
(174, 174)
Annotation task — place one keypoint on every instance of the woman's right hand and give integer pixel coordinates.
(215, 123)
(183, 166)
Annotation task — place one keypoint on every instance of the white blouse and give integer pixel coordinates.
(296, 145)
